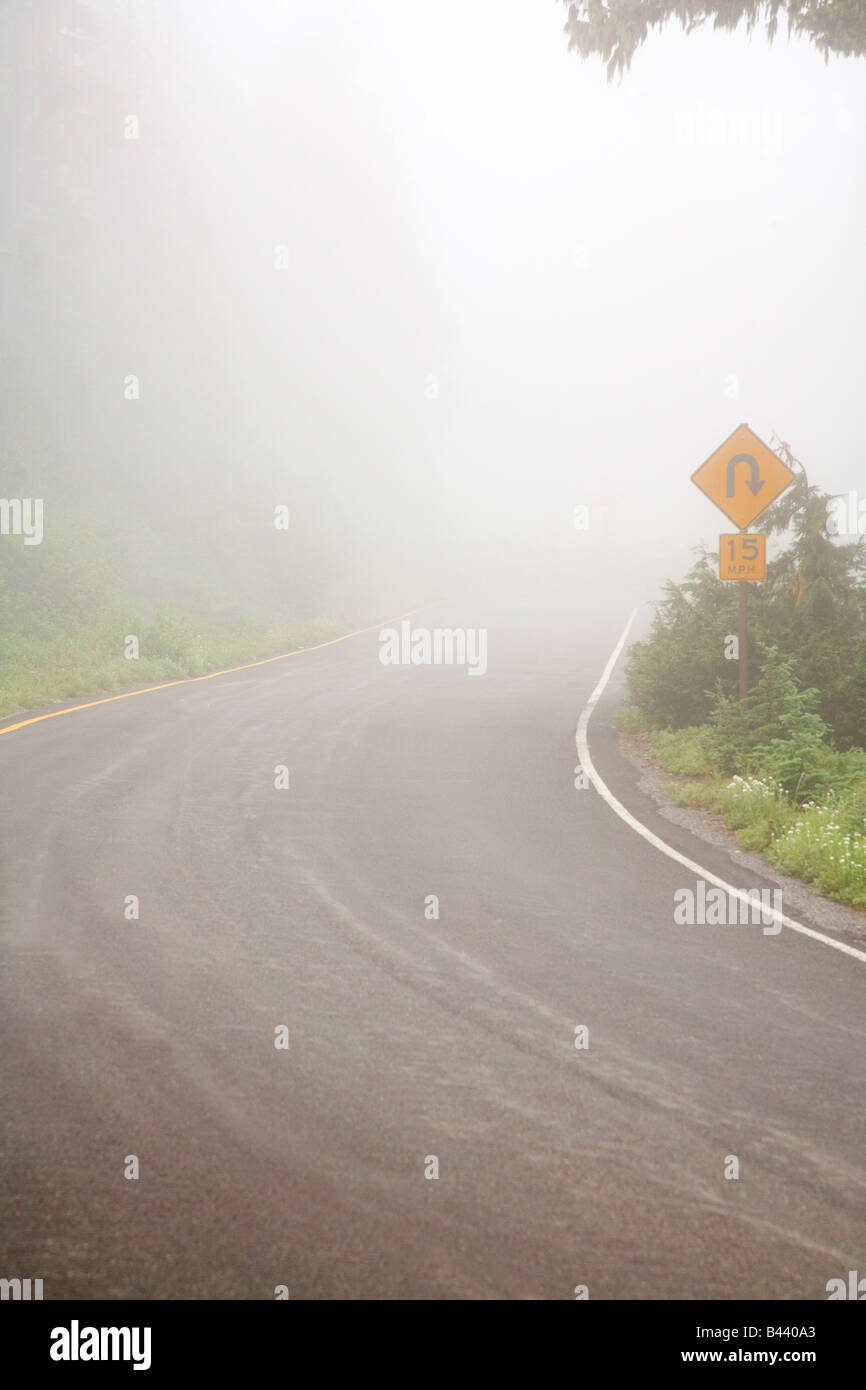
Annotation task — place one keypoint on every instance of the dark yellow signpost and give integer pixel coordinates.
(743, 476)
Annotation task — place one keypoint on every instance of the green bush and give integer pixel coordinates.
(776, 735)
(784, 737)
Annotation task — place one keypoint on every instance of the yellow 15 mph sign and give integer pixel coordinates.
(742, 556)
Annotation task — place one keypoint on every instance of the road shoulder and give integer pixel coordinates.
(642, 787)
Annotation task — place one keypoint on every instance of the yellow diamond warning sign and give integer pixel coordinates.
(742, 556)
(743, 477)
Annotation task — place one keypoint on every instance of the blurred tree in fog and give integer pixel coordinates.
(615, 29)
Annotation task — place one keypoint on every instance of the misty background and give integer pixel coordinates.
(418, 274)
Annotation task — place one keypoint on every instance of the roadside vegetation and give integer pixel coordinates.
(787, 769)
(90, 658)
(615, 30)
(197, 598)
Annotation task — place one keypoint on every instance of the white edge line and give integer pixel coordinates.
(630, 820)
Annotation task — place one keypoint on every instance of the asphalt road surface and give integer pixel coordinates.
(410, 1037)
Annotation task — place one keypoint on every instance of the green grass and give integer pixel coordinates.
(199, 597)
(630, 721)
(684, 752)
(822, 842)
(88, 659)
(817, 847)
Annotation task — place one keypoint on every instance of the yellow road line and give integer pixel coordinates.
(191, 680)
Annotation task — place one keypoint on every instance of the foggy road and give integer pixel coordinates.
(411, 1036)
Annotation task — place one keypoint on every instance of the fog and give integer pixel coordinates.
(424, 277)
(350, 352)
